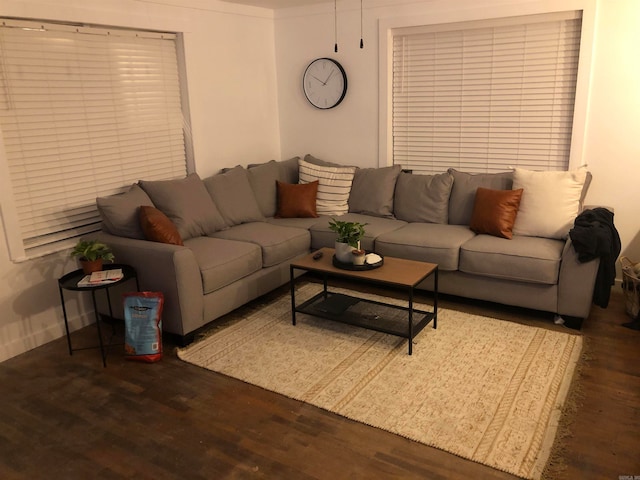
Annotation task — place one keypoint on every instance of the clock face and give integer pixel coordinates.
(324, 83)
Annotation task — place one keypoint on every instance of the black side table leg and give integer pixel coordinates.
(66, 323)
(95, 310)
(410, 320)
(435, 300)
(292, 283)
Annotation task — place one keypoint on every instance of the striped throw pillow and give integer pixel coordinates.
(334, 186)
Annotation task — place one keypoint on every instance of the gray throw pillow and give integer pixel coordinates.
(372, 191)
(232, 193)
(187, 204)
(423, 198)
(463, 193)
(119, 213)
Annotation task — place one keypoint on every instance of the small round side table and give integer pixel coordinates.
(70, 282)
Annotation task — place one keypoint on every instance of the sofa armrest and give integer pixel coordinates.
(576, 283)
(170, 269)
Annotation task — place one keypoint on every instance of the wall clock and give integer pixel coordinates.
(324, 83)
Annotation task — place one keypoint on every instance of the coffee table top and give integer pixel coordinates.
(395, 271)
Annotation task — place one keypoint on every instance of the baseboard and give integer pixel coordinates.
(14, 343)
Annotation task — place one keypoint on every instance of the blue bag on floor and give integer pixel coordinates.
(143, 326)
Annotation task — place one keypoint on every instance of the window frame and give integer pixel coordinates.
(388, 27)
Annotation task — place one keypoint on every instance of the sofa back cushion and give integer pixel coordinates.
(372, 191)
(187, 204)
(233, 195)
(289, 170)
(119, 213)
(263, 180)
(463, 193)
(422, 198)
(318, 161)
(263, 177)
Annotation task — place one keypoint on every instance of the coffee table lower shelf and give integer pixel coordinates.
(404, 322)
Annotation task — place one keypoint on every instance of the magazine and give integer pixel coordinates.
(102, 277)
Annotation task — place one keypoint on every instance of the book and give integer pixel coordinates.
(102, 277)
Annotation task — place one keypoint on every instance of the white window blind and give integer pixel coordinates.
(84, 112)
(485, 96)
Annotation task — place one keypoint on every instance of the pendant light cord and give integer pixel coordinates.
(335, 24)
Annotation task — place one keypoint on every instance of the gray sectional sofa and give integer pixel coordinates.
(235, 248)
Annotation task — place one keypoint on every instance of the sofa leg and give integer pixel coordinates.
(575, 323)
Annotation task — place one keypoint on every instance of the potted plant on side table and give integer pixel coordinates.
(91, 255)
(348, 236)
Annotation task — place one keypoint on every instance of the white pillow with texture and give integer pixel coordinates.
(550, 202)
(334, 186)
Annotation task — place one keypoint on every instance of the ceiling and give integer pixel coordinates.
(275, 4)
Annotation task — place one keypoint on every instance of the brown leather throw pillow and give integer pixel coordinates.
(157, 227)
(297, 200)
(494, 211)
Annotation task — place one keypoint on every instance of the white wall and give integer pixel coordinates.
(612, 147)
(349, 132)
(232, 87)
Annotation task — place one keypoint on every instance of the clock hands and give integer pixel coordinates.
(323, 83)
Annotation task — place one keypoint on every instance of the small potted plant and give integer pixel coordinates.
(348, 236)
(92, 254)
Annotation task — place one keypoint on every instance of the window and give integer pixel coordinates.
(484, 96)
(84, 112)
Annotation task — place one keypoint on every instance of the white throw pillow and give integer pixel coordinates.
(550, 202)
(334, 186)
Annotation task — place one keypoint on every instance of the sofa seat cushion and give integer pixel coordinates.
(426, 242)
(222, 262)
(524, 259)
(278, 243)
(322, 236)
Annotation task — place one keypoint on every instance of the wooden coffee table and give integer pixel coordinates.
(374, 315)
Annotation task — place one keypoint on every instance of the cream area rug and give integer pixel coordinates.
(484, 389)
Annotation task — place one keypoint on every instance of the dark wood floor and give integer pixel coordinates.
(67, 417)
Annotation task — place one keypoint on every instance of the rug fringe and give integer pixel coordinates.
(557, 464)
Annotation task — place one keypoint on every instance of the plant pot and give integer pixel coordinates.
(90, 266)
(343, 252)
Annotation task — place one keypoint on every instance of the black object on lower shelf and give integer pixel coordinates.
(336, 304)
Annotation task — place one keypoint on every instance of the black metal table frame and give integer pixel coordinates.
(409, 333)
(70, 282)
